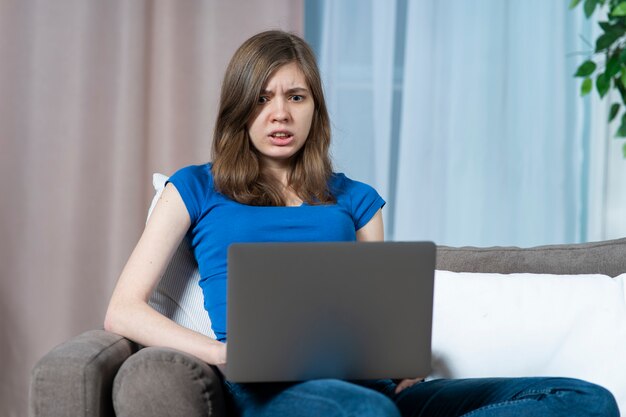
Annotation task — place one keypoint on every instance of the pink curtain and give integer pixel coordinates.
(95, 96)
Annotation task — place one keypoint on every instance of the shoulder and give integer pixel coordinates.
(194, 183)
(341, 184)
(193, 173)
(359, 198)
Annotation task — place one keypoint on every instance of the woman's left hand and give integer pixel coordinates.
(405, 383)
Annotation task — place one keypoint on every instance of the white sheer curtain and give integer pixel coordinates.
(357, 63)
(489, 150)
(465, 116)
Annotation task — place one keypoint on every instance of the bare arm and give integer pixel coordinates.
(129, 313)
(373, 231)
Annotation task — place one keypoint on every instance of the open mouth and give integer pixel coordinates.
(281, 138)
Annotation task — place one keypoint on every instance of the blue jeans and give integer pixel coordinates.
(488, 397)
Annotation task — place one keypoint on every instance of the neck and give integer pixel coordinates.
(278, 172)
(281, 175)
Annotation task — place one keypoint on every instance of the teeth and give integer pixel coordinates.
(280, 135)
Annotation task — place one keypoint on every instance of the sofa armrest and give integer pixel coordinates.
(161, 382)
(76, 377)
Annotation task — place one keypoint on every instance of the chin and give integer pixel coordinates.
(282, 154)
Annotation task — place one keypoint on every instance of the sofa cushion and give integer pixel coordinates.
(494, 325)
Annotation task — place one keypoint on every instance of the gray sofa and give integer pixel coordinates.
(102, 374)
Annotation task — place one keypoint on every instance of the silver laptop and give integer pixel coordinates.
(347, 310)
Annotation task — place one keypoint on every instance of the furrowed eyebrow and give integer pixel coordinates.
(295, 90)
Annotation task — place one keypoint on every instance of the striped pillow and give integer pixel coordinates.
(178, 295)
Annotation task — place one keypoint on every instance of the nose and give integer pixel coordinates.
(280, 110)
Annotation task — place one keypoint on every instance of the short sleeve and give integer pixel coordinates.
(194, 184)
(364, 200)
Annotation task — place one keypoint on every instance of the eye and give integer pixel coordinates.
(297, 98)
(263, 99)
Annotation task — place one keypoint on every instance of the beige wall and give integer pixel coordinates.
(94, 97)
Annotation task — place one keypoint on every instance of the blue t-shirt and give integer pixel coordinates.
(217, 221)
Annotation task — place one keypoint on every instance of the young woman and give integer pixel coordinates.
(271, 179)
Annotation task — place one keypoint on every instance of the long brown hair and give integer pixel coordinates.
(237, 169)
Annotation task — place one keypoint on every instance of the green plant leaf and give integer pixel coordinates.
(619, 10)
(586, 86)
(607, 39)
(603, 83)
(589, 7)
(616, 26)
(623, 76)
(621, 132)
(614, 111)
(573, 3)
(613, 66)
(585, 69)
(606, 26)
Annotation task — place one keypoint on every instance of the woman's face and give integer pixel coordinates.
(281, 122)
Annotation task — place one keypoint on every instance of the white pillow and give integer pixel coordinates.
(178, 295)
(494, 325)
